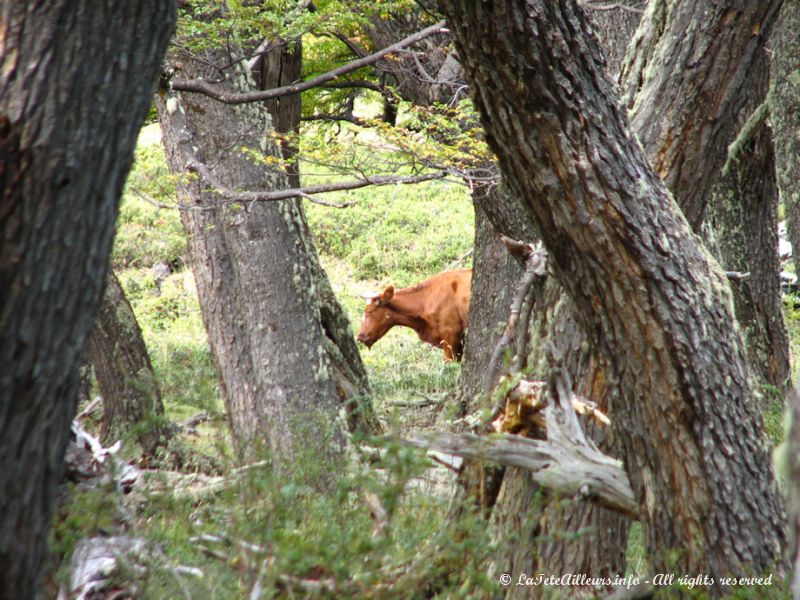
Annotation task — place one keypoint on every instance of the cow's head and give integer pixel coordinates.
(377, 318)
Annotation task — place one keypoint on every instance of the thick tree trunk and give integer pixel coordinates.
(74, 89)
(584, 538)
(260, 288)
(744, 219)
(784, 116)
(682, 404)
(128, 385)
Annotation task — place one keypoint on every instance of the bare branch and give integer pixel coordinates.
(351, 45)
(736, 275)
(357, 83)
(336, 118)
(203, 87)
(316, 200)
(237, 196)
(601, 5)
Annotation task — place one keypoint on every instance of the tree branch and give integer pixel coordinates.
(335, 118)
(237, 196)
(213, 91)
(572, 471)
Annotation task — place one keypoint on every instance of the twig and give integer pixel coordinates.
(89, 407)
(203, 87)
(595, 5)
(336, 118)
(316, 200)
(460, 260)
(736, 275)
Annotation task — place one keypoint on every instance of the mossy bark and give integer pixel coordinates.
(743, 216)
(784, 116)
(280, 65)
(261, 290)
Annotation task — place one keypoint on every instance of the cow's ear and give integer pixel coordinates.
(387, 294)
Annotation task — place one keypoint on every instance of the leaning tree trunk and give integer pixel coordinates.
(74, 89)
(682, 403)
(585, 538)
(281, 65)
(258, 284)
(128, 385)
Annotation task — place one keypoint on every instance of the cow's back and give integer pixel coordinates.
(447, 299)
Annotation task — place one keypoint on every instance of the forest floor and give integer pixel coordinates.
(271, 533)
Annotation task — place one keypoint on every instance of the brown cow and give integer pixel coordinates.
(436, 309)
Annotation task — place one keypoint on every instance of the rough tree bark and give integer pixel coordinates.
(784, 116)
(74, 89)
(615, 26)
(682, 402)
(687, 56)
(583, 538)
(265, 301)
(128, 385)
(744, 220)
(280, 64)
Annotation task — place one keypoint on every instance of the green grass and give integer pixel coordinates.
(397, 234)
(393, 234)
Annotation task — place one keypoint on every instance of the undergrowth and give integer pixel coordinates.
(274, 529)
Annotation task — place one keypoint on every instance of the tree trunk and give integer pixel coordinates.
(682, 404)
(744, 220)
(261, 290)
(584, 537)
(495, 273)
(74, 89)
(281, 64)
(615, 27)
(788, 460)
(663, 92)
(131, 396)
(784, 116)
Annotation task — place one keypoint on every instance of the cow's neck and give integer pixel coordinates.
(406, 306)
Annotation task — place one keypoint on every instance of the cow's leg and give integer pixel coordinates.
(452, 349)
